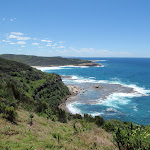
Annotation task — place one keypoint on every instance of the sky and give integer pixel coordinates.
(75, 28)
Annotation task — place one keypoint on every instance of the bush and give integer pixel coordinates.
(111, 125)
(62, 116)
(2, 107)
(41, 106)
(10, 114)
(88, 118)
(31, 116)
(99, 120)
(77, 116)
(108, 127)
(50, 114)
(129, 136)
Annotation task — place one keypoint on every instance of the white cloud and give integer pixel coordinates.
(22, 46)
(19, 49)
(91, 52)
(23, 38)
(19, 38)
(48, 41)
(16, 33)
(12, 36)
(12, 43)
(43, 40)
(61, 47)
(21, 42)
(35, 43)
(6, 41)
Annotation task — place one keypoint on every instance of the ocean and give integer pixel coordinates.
(128, 72)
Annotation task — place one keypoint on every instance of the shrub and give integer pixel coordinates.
(77, 116)
(109, 127)
(62, 116)
(88, 118)
(2, 107)
(31, 116)
(50, 114)
(99, 120)
(41, 106)
(10, 113)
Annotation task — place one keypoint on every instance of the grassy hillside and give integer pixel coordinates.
(46, 61)
(48, 135)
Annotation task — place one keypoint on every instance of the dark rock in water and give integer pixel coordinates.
(97, 87)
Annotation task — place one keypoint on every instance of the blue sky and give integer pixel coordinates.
(95, 28)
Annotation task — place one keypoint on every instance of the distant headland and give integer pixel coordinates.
(48, 61)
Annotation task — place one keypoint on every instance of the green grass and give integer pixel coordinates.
(46, 134)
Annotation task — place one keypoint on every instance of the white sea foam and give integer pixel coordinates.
(51, 68)
(71, 107)
(140, 90)
(102, 60)
(70, 66)
(98, 60)
(111, 110)
(92, 77)
(60, 67)
(74, 77)
(114, 100)
(96, 113)
(135, 108)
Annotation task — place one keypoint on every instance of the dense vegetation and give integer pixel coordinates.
(29, 100)
(44, 61)
(26, 86)
(129, 136)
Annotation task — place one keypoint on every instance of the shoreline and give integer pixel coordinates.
(92, 64)
(80, 93)
(74, 91)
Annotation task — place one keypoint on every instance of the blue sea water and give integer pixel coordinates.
(130, 72)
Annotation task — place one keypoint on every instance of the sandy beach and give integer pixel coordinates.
(91, 64)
